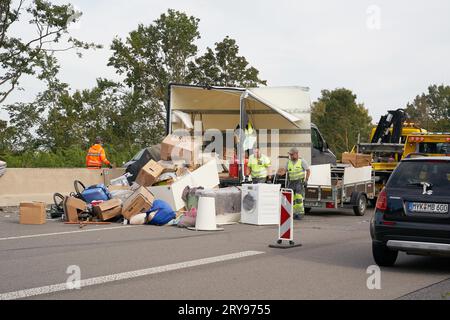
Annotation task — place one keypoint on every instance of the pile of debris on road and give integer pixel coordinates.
(156, 192)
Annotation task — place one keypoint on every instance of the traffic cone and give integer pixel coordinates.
(206, 215)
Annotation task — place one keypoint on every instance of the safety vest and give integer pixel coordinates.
(249, 129)
(96, 157)
(250, 137)
(296, 171)
(258, 170)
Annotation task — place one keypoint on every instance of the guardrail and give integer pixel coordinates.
(39, 184)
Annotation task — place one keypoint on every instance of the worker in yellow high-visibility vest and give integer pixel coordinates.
(298, 175)
(258, 165)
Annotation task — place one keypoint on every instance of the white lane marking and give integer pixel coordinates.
(126, 275)
(64, 232)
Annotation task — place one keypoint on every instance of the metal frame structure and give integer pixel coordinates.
(339, 195)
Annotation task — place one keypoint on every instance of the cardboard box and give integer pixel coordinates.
(206, 176)
(140, 201)
(180, 148)
(110, 214)
(149, 173)
(357, 160)
(167, 146)
(72, 207)
(108, 209)
(32, 213)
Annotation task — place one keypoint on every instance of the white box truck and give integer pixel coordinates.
(282, 115)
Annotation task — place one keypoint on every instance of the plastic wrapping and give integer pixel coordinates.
(121, 194)
(121, 181)
(228, 200)
(138, 219)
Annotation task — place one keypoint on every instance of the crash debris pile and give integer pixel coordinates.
(161, 192)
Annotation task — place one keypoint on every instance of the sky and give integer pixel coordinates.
(386, 52)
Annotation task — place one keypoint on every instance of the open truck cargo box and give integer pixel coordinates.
(206, 176)
(286, 109)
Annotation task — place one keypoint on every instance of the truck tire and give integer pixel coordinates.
(360, 205)
(383, 256)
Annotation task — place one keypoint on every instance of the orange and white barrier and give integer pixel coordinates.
(286, 226)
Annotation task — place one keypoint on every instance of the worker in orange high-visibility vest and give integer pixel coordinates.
(96, 156)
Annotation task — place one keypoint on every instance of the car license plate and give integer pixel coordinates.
(428, 207)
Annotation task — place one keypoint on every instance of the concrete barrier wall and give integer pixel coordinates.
(32, 184)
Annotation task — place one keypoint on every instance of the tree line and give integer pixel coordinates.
(56, 129)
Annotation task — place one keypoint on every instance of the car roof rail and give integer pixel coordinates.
(416, 154)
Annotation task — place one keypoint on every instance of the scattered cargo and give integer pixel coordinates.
(163, 184)
(32, 213)
(357, 160)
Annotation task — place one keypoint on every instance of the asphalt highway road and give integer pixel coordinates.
(148, 262)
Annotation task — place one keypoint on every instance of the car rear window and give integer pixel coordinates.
(434, 148)
(413, 173)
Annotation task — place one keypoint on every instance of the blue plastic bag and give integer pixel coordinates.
(164, 213)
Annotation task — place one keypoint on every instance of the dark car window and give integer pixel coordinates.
(412, 173)
(316, 139)
(433, 147)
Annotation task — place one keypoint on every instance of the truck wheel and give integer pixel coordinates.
(307, 210)
(382, 255)
(361, 205)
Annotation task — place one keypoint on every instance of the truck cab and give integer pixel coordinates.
(429, 144)
(320, 151)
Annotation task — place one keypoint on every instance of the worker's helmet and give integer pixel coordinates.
(98, 140)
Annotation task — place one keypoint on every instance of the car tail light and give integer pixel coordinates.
(448, 139)
(382, 201)
(330, 205)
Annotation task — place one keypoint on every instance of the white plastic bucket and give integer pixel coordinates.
(206, 215)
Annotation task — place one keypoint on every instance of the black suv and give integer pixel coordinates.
(412, 211)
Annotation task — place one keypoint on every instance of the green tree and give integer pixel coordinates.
(57, 119)
(224, 67)
(431, 110)
(20, 57)
(57, 128)
(6, 134)
(27, 118)
(154, 55)
(340, 119)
